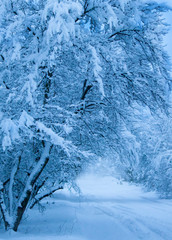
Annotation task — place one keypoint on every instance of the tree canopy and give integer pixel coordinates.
(73, 75)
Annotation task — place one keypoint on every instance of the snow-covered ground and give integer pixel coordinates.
(105, 210)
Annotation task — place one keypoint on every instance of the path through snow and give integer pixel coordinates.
(106, 210)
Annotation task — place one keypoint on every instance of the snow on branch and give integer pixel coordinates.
(29, 87)
(123, 3)
(27, 123)
(26, 120)
(112, 17)
(9, 132)
(97, 69)
(54, 138)
(62, 17)
(31, 128)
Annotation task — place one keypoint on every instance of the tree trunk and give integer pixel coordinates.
(6, 223)
(5, 215)
(20, 210)
(25, 197)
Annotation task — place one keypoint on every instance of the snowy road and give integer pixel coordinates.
(106, 210)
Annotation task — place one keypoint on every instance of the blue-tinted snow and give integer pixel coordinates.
(106, 209)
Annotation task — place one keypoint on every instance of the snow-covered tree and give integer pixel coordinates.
(153, 133)
(71, 72)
